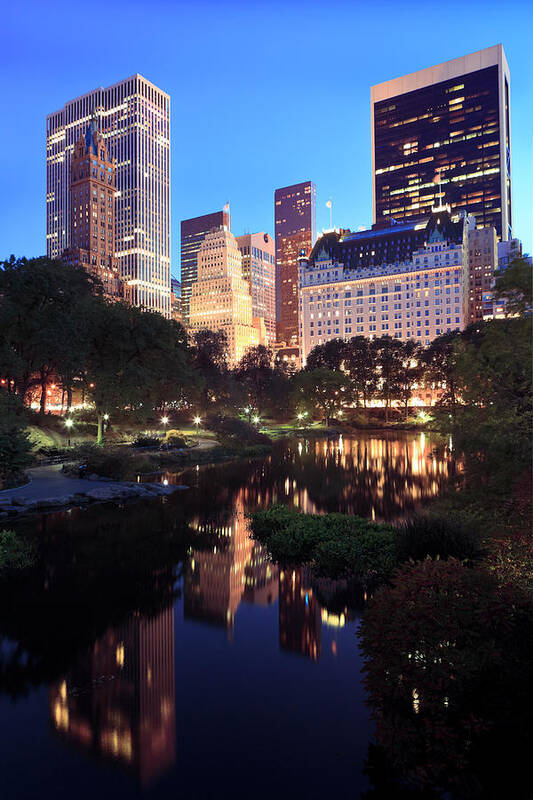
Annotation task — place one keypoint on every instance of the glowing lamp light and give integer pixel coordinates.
(164, 420)
(255, 419)
(106, 417)
(69, 423)
(197, 420)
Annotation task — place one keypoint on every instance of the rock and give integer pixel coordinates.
(10, 510)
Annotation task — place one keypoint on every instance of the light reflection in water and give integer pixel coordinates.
(118, 701)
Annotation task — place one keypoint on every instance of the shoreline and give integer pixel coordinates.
(76, 492)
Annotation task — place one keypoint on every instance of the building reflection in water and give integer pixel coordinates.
(235, 570)
(118, 702)
(374, 476)
(300, 624)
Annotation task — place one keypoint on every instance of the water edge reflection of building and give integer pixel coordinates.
(300, 622)
(118, 702)
(235, 569)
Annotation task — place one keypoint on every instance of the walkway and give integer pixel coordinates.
(50, 481)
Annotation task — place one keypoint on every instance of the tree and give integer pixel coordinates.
(440, 361)
(126, 357)
(42, 321)
(15, 446)
(388, 353)
(330, 355)
(209, 359)
(515, 287)
(410, 372)
(493, 371)
(327, 389)
(256, 374)
(360, 364)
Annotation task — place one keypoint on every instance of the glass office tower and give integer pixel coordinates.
(443, 133)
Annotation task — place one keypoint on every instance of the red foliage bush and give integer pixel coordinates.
(448, 660)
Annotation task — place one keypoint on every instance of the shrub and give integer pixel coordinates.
(15, 553)
(15, 446)
(337, 544)
(433, 535)
(106, 463)
(146, 441)
(449, 655)
(234, 432)
(175, 439)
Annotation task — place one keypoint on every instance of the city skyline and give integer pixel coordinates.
(301, 151)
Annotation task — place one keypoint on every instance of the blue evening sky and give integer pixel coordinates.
(263, 94)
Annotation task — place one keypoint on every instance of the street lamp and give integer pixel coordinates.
(255, 419)
(164, 420)
(68, 425)
(197, 421)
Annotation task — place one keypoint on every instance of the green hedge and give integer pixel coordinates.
(336, 544)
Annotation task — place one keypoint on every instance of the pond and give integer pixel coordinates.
(159, 652)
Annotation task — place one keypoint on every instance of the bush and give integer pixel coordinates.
(439, 536)
(146, 441)
(336, 544)
(175, 439)
(15, 445)
(449, 654)
(106, 463)
(234, 432)
(15, 553)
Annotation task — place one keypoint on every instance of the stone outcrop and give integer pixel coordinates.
(101, 493)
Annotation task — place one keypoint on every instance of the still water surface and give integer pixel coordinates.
(224, 675)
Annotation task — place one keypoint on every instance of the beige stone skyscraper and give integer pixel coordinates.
(221, 298)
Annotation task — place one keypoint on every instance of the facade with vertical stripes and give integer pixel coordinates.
(134, 119)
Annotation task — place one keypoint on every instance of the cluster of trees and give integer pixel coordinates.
(55, 326)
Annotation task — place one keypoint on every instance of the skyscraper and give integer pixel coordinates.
(193, 232)
(221, 298)
(295, 223)
(92, 211)
(134, 120)
(259, 269)
(445, 130)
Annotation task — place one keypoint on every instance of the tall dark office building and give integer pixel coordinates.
(193, 232)
(295, 224)
(445, 130)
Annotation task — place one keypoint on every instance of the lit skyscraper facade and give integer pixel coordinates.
(408, 280)
(134, 120)
(259, 269)
(445, 129)
(193, 232)
(221, 298)
(295, 225)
